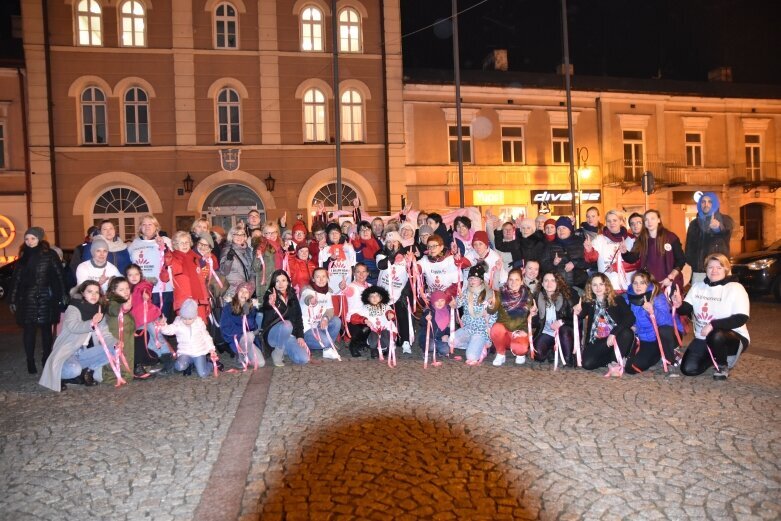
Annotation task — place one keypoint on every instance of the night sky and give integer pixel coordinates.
(674, 39)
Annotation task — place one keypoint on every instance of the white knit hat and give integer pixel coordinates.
(189, 309)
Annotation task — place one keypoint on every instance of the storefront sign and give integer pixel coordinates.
(7, 231)
(562, 196)
(488, 197)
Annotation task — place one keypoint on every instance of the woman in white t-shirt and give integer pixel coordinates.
(719, 308)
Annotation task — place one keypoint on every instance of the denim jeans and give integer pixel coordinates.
(155, 344)
(202, 365)
(253, 353)
(281, 337)
(85, 358)
(473, 344)
(334, 325)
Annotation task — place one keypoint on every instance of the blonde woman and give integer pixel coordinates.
(147, 251)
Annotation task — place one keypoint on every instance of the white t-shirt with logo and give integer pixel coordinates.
(714, 302)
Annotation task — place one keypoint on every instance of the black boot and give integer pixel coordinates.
(31, 366)
(87, 377)
(167, 361)
(140, 373)
(355, 349)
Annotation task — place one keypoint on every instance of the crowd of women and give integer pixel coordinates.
(458, 286)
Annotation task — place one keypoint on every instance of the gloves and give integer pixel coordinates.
(231, 254)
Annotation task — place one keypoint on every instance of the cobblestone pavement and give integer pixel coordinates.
(357, 440)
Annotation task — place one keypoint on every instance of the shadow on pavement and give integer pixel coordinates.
(396, 467)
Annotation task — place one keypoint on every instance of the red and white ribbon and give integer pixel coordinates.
(576, 339)
(113, 361)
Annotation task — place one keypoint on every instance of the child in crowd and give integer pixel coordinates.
(378, 316)
(437, 317)
(477, 322)
(122, 327)
(149, 343)
(302, 267)
(193, 341)
(239, 322)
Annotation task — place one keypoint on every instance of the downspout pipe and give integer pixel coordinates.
(28, 182)
(50, 117)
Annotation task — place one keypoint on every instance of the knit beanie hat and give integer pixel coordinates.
(478, 270)
(189, 309)
(35, 231)
(425, 229)
(97, 244)
(481, 236)
(249, 286)
(299, 227)
(302, 246)
(566, 222)
(393, 236)
(207, 237)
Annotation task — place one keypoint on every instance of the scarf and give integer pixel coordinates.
(441, 316)
(319, 289)
(589, 228)
(615, 237)
(514, 302)
(550, 238)
(86, 309)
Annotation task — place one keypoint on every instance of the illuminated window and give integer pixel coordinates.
(352, 116)
(753, 157)
(634, 160)
(349, 30)
(466, 135)
(133, 24)
(93, 116)
(314, 116)
(89, 23)
(694, 149)
(560, 141)
(311, 29)
(228, 116)
(136, 117)
(122, 206)
(226, 23)
(328, 196)
(512, 145)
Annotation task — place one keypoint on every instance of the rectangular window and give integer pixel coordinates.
(634, 159)
(466, 142)
(2, 146)
(753, 157)
(560, 140)
(694, 149)
(512, 145)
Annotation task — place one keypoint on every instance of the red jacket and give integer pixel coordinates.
(187, 279)
(300, 272)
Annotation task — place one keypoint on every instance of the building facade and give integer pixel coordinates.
(516, 152)
(14, 176)
(131, 97)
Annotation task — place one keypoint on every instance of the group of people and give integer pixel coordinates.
(459, 286)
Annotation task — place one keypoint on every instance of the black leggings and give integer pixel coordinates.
(28, 340)
(544, 344)
(402, 316)
(359, 335)
(722, 342)
(599, 354)
(646, 355)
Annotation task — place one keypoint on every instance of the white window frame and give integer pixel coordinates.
(560, 143)
(353, 128)
(312, 29)
(137, 35)
(225, 20)
(695, 150)
(89, 15)
(633, 172)
(315, 116)
(350, 31)
(137, 106)
(512, 140)
(452, 143)
(753, 168)
(228, 104)
(93, 106)
(122, 217)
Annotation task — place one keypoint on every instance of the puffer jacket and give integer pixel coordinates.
(570, 249)
(644, 329)
(37, 287)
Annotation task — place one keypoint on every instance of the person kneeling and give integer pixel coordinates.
(553, 320)
(378, 316)
(321, 327)
(193, 340)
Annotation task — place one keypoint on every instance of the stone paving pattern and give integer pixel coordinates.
(357, 440)
(361, 441)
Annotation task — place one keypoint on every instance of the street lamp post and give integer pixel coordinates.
(584, 172)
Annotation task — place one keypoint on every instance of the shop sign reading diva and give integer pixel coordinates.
(563, 196)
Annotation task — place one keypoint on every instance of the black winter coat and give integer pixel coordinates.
(291, 310)
(533, 246)
(701, 241)
(563, 311)
(620, 312)
(570, 250)
(37, 287)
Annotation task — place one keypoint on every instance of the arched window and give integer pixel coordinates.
(228, 116)
(311, 29)
(314, 115)
(327, 195)
(226, 26)
(350, 30)
(124, 207)
(93, 116)
(88, 22)
(352, 116)
(136, 117)
(133, 24)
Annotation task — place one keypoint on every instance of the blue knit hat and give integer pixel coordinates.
(566, 222)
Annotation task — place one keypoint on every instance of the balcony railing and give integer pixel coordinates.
(755, 173)
(668, 171)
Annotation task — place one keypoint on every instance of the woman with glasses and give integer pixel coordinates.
(236, 261)
(182, 265)
(267, 256)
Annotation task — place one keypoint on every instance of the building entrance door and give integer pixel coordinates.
(751, 221)
(229, 204)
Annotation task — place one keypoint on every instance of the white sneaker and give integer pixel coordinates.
(331, 354)
(520, 360)
(499, 360)
(277, 355)
(406, 349)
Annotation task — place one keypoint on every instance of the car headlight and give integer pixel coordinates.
(760, 264)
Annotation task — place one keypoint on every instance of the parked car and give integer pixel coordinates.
(760, 271)
(6, 271)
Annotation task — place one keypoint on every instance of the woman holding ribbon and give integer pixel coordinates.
(477, 322)
(283, 326)
(394, 277)
(553, 320)
(239, 323)
(659, 252)
(611, 245)
(122, 326)
(321, 327)
(512, 303)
